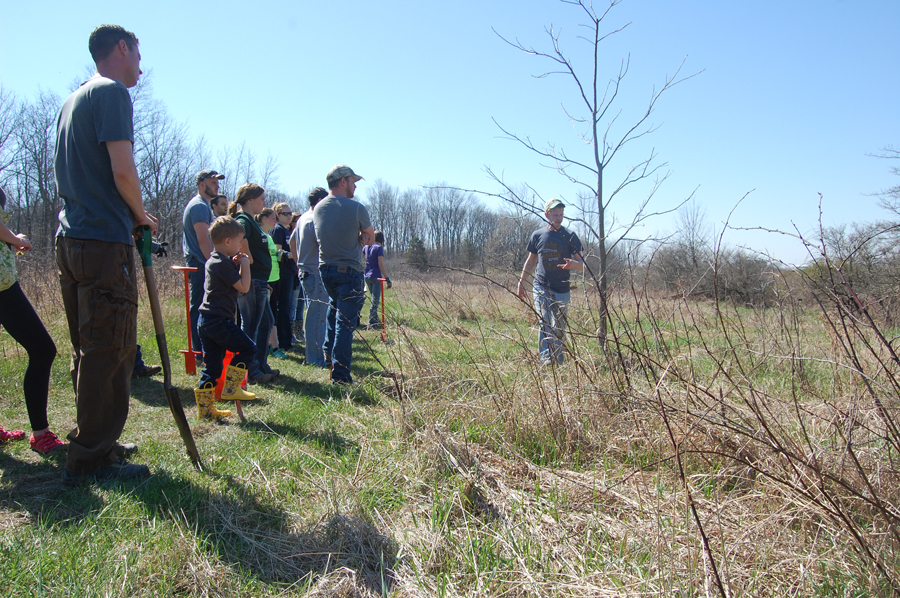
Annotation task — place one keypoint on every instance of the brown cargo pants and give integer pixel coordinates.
(99, 294)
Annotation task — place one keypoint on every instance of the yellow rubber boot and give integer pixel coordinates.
(232, 391)
(205, 403)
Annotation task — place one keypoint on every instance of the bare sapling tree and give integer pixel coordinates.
(597, 121)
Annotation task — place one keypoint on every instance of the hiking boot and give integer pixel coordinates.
(7, 435)
(146, 371)
(125, 450)
(46, 443)
(120, 470)
(260, 379)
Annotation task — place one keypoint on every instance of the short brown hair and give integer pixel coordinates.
(225, 227)
(106, 37)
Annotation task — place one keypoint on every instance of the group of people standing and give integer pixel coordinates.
(236, 264)
(322, 254)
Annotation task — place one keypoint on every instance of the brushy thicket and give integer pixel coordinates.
(711, 448)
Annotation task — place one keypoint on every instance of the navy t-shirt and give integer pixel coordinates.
(552, 247)
(219, 294)
(98, 111)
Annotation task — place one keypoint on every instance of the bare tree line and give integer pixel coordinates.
(166, 153)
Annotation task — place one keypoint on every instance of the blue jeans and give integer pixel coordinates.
(252, 306)
(220, 335)
(196, 282)
(346, 294)
(551, 307)
(297, 302)
(316, 309)
(374, 286)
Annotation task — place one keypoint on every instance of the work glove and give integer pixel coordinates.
(388, 281)
(159, 249)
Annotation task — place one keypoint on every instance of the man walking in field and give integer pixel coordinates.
(102, 205)
(196, 244)
(555, 251)
(342, 227)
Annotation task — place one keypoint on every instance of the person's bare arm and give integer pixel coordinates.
(367, 236)
(243, 285)
(573, 264)
(128, 183)
(527, 269)
(245, 249)
(293, 243)
(206, 246)
(19, 241)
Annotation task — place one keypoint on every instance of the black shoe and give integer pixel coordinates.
(120, 470)
(125, 450)
(146, 371)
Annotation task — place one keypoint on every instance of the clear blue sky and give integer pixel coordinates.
(792, 98)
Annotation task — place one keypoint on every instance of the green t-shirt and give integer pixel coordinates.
(275, 276)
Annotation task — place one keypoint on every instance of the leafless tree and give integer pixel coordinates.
(597, 119)
(35, 182)
(382, 202)
(410, 219)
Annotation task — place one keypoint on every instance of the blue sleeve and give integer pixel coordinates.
(199, 213)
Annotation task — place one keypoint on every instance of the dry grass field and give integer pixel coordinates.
(707, 450)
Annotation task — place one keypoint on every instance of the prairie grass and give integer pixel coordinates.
(706, 450)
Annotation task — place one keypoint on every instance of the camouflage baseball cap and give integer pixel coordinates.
(340, 171)
(553, 202)
(208, 174)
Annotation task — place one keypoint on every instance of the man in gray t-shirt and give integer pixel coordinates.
(101, 193)
(197, 246)
(342, 227)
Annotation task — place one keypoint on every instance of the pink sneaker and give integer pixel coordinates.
(6, 436)
(46, 443)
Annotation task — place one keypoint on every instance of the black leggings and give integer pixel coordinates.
(20, 320)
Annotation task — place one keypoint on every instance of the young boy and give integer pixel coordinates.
(227, 273)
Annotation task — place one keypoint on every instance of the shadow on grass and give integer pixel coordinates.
(251, 535)
(327, 440)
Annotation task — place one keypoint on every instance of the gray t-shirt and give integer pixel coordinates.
(338, 221)
(304, 236)
(197, 210)
(551, 247)
(98, 111)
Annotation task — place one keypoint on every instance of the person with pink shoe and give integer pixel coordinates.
(19, 319)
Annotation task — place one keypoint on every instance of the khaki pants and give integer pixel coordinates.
(100, 297)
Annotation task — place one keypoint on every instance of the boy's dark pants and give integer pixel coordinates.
(219, 335)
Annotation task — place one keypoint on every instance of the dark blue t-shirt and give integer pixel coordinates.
(552, 247)
(98, 111)
(219, 294)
